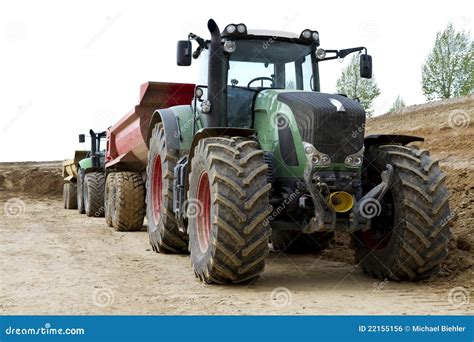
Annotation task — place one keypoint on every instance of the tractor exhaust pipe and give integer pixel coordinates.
(216, 79)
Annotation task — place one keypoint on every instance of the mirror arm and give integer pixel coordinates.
(201, 44)
(343, 53)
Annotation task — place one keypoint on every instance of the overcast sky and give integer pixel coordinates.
(69, 66)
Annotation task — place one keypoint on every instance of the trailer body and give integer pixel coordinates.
(127, 140)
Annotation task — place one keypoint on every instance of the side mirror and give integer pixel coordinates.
(183, 53)
(82, 138)
(365, 66)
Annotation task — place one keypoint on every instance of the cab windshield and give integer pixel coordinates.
(271, 63)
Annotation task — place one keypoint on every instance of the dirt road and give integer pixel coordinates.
(55, 261)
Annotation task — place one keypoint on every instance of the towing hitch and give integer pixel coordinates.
(361, 211)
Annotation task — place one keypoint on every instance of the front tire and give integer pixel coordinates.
(409, 239)
(227, 207)
(163, 231)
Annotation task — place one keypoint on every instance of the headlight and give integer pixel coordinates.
(355, 160)
(229, 46)
(320, 53)
(306, 34)
(308, 148)
(310, 35)
(241, 28)
(230, 29)
(314, 156)
(235, 29)
(199, 92)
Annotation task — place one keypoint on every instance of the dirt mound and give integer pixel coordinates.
(32, 178)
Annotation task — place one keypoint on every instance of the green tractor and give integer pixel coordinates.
(263, 156)
(91, 177)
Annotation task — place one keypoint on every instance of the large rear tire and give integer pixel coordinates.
(129, 204)
(94, 184)
(227, 206)
(409, 239)
(109, 199)
(80, 191)
(290, 241)
(70, 196)
(163, 231)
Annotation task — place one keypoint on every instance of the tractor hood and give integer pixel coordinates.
(333, 123)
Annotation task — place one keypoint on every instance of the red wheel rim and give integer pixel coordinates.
(203, 220)
(156, 189)
(379, 236)
(374, 243)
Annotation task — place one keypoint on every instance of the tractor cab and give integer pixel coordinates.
(241, 63)
(96, 156)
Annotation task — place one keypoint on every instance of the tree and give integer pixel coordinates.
(351, 84)
(449, 68)
(398, 104)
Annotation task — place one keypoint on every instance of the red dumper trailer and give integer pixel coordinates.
(127, 152)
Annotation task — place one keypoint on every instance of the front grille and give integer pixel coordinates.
(336, 133)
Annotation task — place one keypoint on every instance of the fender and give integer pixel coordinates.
(387, 139)
(214, 132)
(167, 117)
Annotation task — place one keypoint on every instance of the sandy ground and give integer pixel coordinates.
(55, 261)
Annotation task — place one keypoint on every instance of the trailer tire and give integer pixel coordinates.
(291, 241)
(80, 191)
(70, 196)
(109, 199)
(93, 188)
(128, 210)
(408, 240)
(165, 237)
(228, 204)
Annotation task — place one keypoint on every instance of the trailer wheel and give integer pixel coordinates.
(94, 194)
(227, 207)
(290, 241)
(408, 239)
(128, 210)
(163, 231)
(65, 195)
(80, 191)
(70, 196)
(109, 199)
